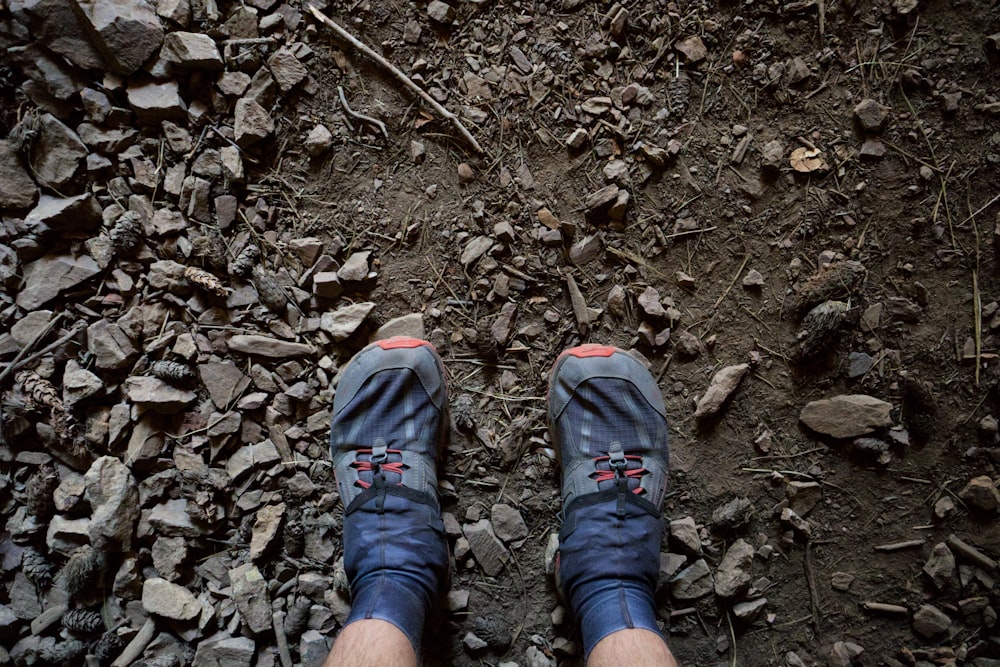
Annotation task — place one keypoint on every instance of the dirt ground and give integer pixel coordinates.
(919, 217)
(759, 143)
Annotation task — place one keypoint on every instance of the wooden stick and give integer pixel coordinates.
(360, 116)
(405, 80)
(970, 553)
(137, 645)
(897, 546)
(884, 608)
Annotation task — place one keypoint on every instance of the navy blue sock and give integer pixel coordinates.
(395, 557)
(609, 561)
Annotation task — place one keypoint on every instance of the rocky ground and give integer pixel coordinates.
(789, 210)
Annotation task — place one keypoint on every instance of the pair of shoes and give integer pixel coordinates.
(608, 421)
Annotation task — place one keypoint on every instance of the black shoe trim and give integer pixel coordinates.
(379, 493)
(611, 494)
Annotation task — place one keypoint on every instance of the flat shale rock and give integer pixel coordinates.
(251, 598)
(693, 582)
(508, 524)
(157, 395)
(65, 214)
(940, 567)
(252, 122)
(733, 574)
(57, 26)
(847, 415)
(929, 621)
(343, 322)
(114, 499)
(48, 277)
(156, 102)
(265, 529)
(981, 494)
(684, 534)
(411, 325)
(223, 380)
(286, 69)
(17, 190)
(222, 650)
(56, 153)
(272, 348)
(248, 457)
(191, 50)
(488, 551)
(125, 32)
(722, 387)
(172, 518)
(163, 598)
(112, 348)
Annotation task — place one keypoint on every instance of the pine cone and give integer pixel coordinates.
(245, 261)
(83, 621)
(494, 631)
(67, 652)
(39, 391)
(464, 412)
(210, 248)
(107, 648)
(294, 537)
(268, 289)
(36, 568)
(83, 571)
(205, 280)
(820, 328)
(173, 372)
(126, 235)
(678, 95)
(834, 281)
(297, 619)
(38, 492)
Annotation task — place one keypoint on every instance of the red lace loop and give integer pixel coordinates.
(615, 473)
(397, 467)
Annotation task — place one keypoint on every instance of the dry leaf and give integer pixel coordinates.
(807, 160)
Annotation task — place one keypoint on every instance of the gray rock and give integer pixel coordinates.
(163, 598)
(693, 49)
(693, 582)
(106, 140)
(166, 222)
(112, 348)
(265, 529)
(803, 496)
(114, 499)
(841, 581)
(535, 657)
(56, 153)
(252, 123)
(251, 598)
(54, 77)
(79, 383)
(65, 214)
(721, 388)
(57, 26)
(355, 268)
(411, 325)
(846, 416)
(313, 648)
(154, 103)
(178, 11)
(684, 534)
(326, 285)
(125, 32)
(272, 348)
(981, 494)
(221, 650)
(343, 322)
(172, 518)
(843, 654)
(28, 327)
(286, 69)
(191, 50)
(733, 574)
(871, 115)
(508, 524)
(473, 643)
(858, 363)
(223, 380)
(48, 277)
(17, 190)
(929, 621)
(749, 609)
(441, 12)
(940, 566)
(23, 598)
(155, 394)
(503, 325)
(488, 551)
(169, 553)
(475, 249)
(319, 140)
(262, 455)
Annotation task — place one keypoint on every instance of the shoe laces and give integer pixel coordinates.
(619, 469)
(378, 466)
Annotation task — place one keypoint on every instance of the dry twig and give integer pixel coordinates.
(360, 116)
(405, 80)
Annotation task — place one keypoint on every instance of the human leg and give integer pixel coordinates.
(387, 426)
(371, 643)
(631, 647)
(608, 421)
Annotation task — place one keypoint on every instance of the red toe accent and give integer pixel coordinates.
(590, 350)
(397, 342)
